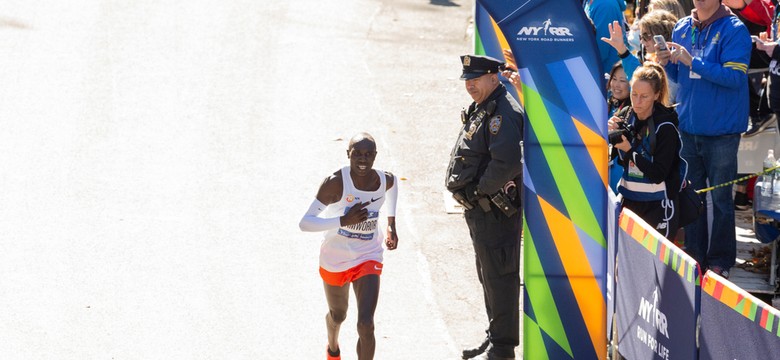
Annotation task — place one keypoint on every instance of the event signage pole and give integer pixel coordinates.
(565, 176)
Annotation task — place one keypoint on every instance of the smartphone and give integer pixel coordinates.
(659, 39)
(756, 39)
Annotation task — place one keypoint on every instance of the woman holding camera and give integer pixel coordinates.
(649, 149)
(618, 98)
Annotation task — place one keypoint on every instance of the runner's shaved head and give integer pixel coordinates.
(360, 137)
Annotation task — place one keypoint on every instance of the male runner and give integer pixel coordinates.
(347, 209)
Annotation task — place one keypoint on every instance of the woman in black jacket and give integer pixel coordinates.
(650, 151)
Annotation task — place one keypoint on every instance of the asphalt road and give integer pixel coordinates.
(157, 157)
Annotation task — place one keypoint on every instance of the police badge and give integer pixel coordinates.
(495, 124)
(472, 130)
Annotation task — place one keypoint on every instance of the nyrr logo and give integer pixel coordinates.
(651, 314)
(546, 30)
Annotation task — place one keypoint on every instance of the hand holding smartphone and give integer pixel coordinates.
(661, 42)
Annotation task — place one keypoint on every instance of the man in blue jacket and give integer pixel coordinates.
(708, 58)
(603, 13)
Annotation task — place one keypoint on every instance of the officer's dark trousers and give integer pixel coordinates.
(496, 240)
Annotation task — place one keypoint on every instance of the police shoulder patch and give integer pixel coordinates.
(495, 124)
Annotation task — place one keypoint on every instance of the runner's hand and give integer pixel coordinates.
(355, 215)
(392, 238)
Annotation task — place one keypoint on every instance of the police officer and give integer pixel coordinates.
(485, 176)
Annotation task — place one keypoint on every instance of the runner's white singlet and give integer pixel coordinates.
(349, 246)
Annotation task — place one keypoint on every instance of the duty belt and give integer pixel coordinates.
(500, 199)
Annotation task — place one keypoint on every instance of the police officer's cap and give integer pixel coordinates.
(475, 66)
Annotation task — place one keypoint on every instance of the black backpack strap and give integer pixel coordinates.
(624, 113)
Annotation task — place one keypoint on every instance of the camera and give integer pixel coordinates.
(624, 128)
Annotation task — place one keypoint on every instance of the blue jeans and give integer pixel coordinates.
(712, 159)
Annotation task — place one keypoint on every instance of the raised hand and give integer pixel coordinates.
(616, 37)
(510, 59)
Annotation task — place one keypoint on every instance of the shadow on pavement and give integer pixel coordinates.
(444, 3)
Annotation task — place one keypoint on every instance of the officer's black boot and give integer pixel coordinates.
(487, 356)
(469, 353)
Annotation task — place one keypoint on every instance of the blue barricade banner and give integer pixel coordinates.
(613, 216)
(490, 41)
(657, 294)
(565, 178)
(735, 324)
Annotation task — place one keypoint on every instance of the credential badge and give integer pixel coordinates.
(466, 61)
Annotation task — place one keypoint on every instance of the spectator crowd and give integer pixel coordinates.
(691, 79)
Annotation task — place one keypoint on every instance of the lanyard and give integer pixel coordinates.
(693, 36)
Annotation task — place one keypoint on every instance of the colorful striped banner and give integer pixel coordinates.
(741, 301)
(490, 41)
(565, 175)
(660, 247)
(736, 324)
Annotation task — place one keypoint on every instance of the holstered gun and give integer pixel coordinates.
(484, 204)
(460, 197)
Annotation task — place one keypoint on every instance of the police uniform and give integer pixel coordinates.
(485, 176)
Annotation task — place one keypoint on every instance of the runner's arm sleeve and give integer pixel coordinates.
(313, 223)
(392, 197)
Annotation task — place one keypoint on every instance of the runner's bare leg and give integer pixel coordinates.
(338, 301)
(367, 294)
